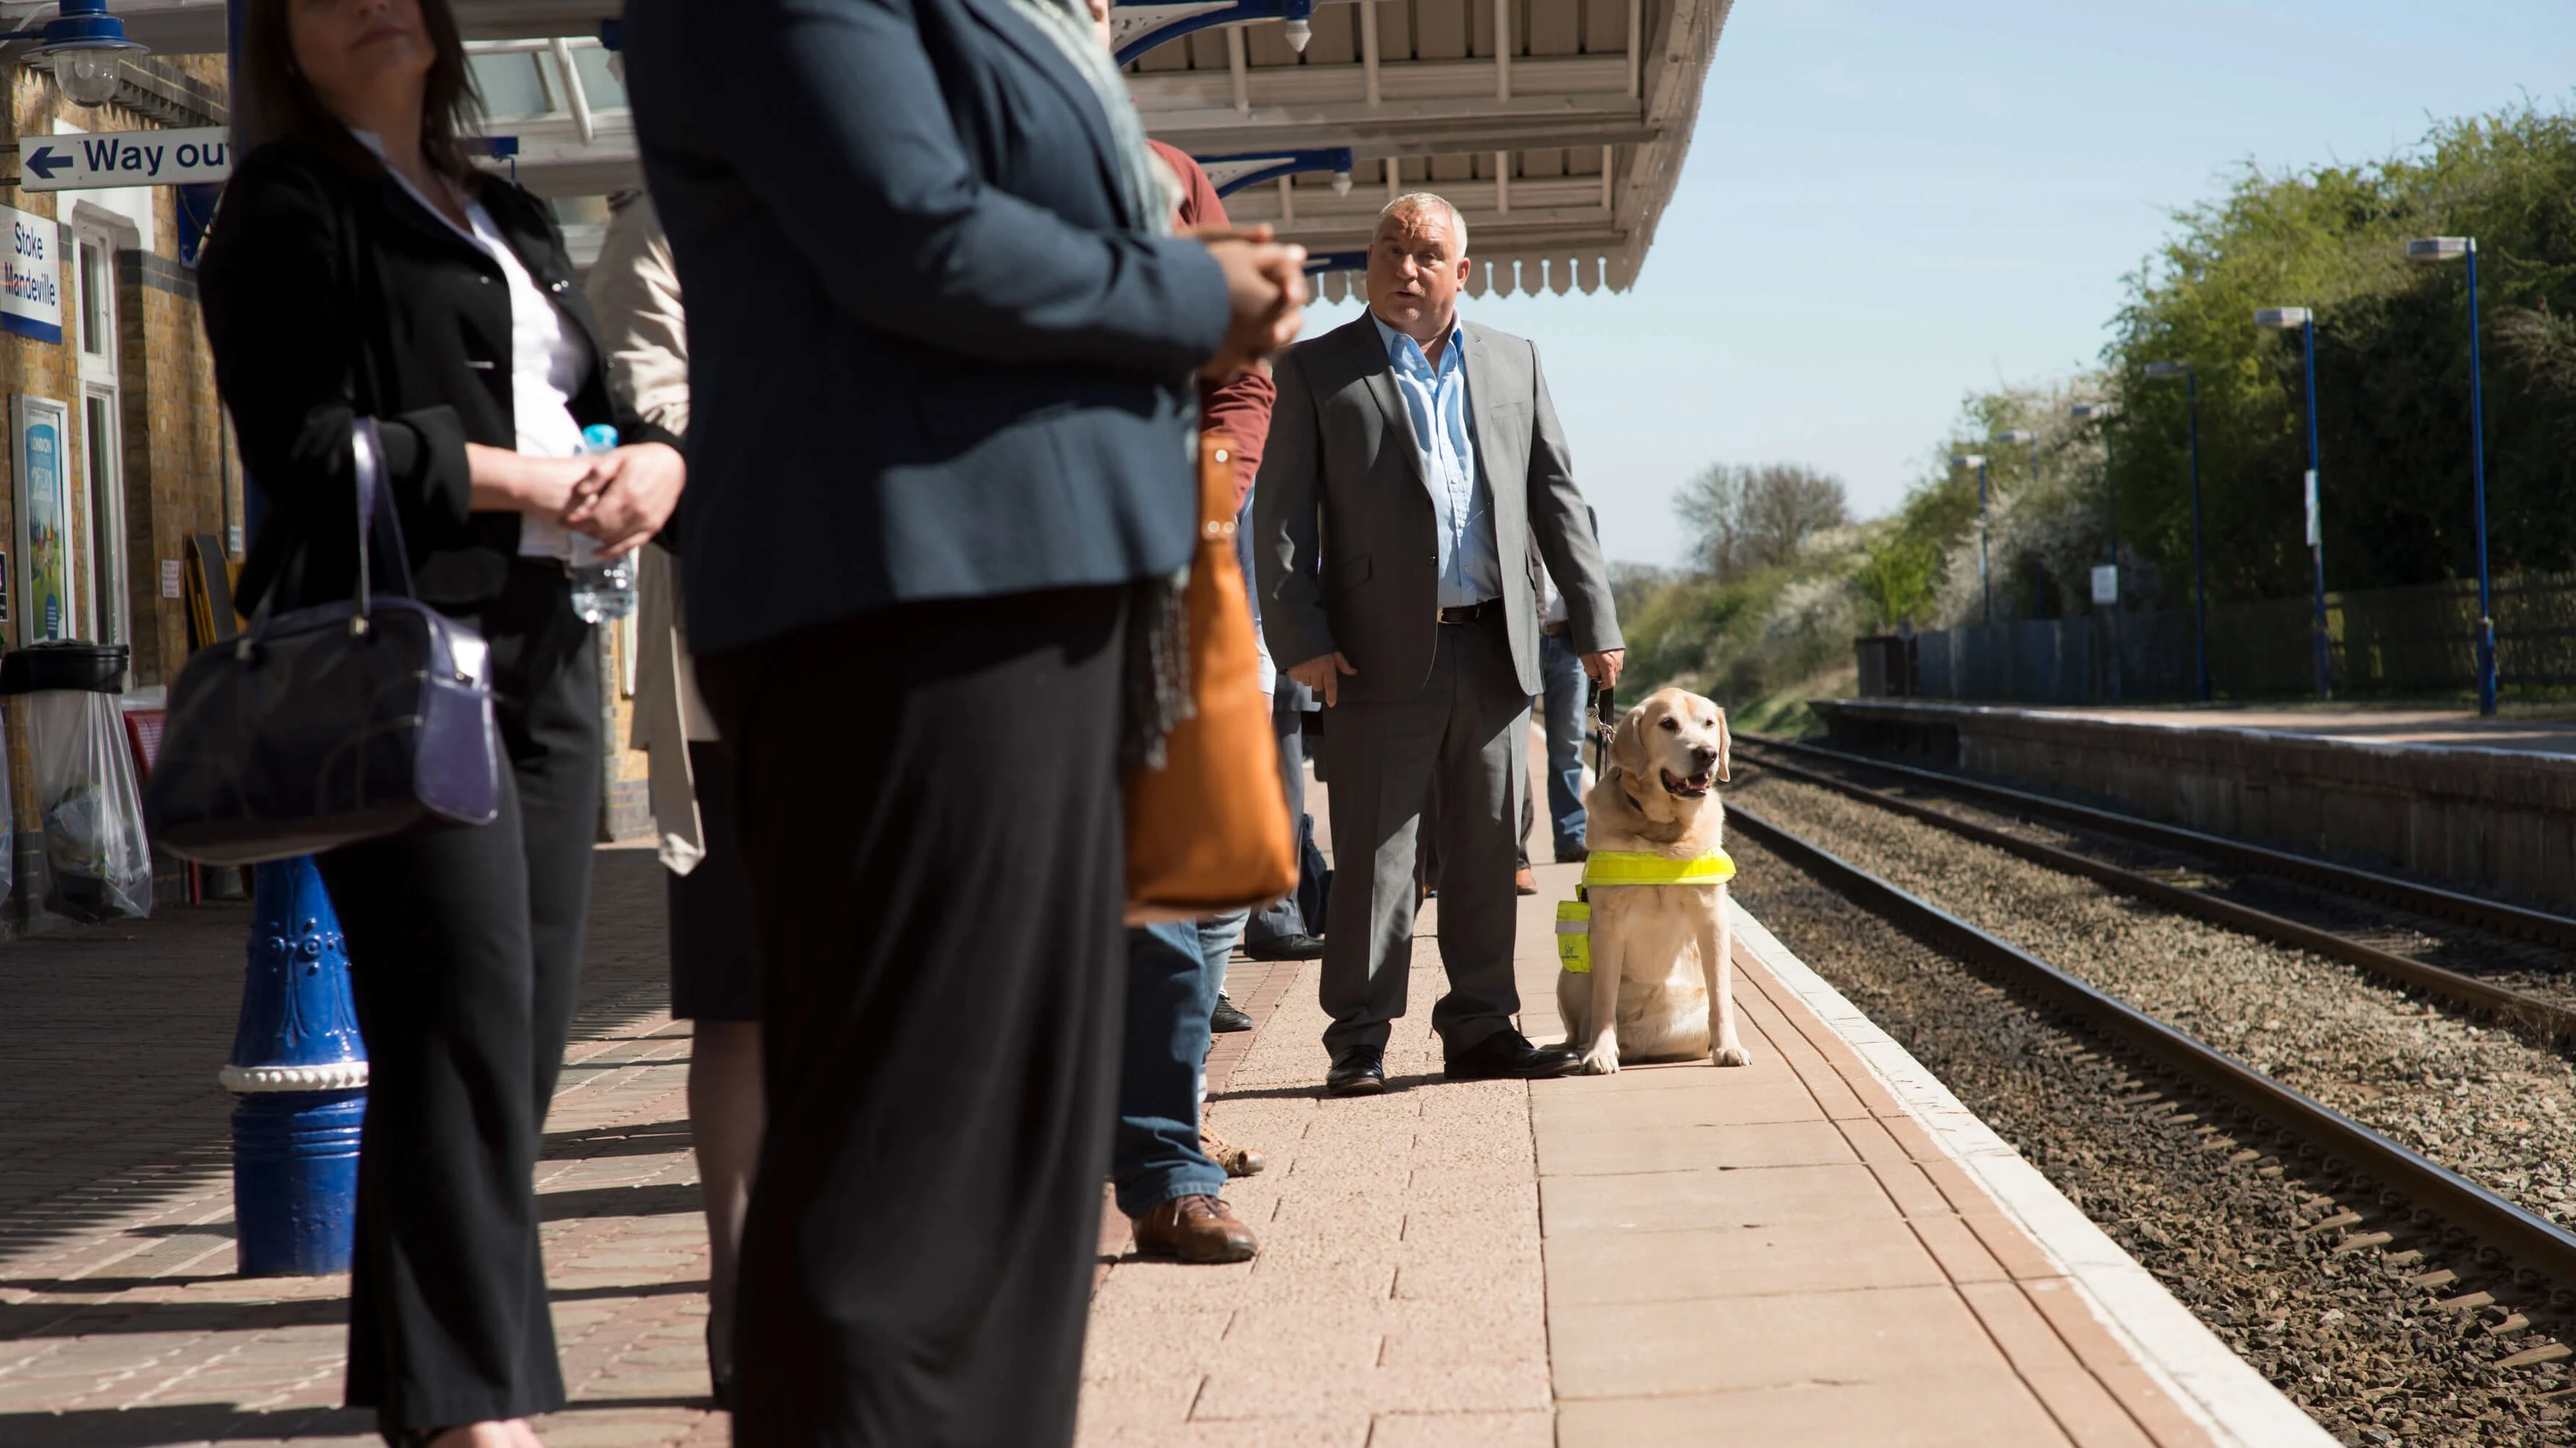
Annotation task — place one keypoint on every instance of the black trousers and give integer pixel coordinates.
(931, 815)
(464, 953)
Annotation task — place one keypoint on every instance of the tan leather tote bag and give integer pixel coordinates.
(1209, 831)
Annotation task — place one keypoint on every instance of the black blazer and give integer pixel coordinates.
(329, 292)
(931, 355)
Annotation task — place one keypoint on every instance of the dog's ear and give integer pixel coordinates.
(1725, 745)
(1628, 744)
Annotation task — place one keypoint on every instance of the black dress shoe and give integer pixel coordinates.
(1285, 947)
(1507, 1055)
(1227, 1016)
(1358, 1071)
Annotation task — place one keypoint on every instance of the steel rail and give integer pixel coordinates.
(2547, 1019)
(2531, 1240)
(2535, 925)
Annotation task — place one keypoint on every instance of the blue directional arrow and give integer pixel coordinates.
(44, 162)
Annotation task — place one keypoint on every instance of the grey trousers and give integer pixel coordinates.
(1467, 734)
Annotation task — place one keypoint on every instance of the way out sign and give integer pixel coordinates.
(124, 158)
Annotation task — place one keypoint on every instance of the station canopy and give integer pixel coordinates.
(1558, 127)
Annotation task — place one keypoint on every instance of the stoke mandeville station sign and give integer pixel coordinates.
(82, 162)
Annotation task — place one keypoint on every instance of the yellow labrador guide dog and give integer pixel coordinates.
(1658, 972)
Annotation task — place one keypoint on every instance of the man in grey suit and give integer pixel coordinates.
(1411, 454)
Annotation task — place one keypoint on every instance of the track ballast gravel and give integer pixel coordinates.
(2545, 971)
(2232, 1230)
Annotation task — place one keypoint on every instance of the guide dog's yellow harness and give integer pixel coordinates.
(1610, 868)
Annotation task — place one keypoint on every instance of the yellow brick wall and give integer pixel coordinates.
(177, 471)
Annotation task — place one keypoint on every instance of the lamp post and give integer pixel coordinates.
(2445, 248)
(2165, 371)
(1984, 584)
(2283, 319)
(2015, 437)
(86, 46)
(2100, 412)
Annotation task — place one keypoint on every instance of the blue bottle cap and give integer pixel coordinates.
(598, 437)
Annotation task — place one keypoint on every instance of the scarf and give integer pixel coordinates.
(1149, 191)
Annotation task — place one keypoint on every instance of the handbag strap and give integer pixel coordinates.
(367, 450)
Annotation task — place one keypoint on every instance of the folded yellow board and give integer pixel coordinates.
(1574, 935)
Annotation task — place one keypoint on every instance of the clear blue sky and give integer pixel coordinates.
(1892, 202)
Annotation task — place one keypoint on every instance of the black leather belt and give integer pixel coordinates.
(1556, 630)
(1472, 612)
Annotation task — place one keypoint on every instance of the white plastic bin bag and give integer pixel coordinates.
(99, 866)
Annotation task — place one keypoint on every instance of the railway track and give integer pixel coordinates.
(2345, 934)
(2345, 1145)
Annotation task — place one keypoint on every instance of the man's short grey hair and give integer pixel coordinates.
(1413, 201)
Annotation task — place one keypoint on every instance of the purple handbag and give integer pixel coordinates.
(332, 724)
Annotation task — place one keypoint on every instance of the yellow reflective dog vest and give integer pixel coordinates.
(1626, 867)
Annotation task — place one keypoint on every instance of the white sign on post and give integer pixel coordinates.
(2316, 531)
(31, 276)
(2106, 583)
(124, 158)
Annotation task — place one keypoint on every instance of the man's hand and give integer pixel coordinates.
(1604, 666)
(1323, 674)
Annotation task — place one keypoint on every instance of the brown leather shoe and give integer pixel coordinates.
(1194, 1229)
(1238, 1161)
(1525, 882)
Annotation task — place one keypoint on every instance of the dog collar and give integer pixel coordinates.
(1635, 867)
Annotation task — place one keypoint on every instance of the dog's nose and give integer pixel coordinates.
(1703, 756)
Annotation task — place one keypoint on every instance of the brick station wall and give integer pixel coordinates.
(179, 476)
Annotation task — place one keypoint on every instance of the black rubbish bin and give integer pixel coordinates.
(95, 668)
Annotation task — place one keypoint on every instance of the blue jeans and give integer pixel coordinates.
(1217, 935)
(1560, 671)
(1170, 990)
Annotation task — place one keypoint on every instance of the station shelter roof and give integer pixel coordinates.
(1558, 127)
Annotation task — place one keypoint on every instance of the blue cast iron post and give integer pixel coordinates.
(2478, 473)
(2448, 248)
(2304, 321)
(299, 1078)
(2199, 558)
(2316, 510)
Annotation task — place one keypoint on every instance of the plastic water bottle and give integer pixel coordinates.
(600, 590)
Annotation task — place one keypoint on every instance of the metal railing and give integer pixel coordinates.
(2409, 642)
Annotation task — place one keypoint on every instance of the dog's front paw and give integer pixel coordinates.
(1601, 1061)
(1730, 1055)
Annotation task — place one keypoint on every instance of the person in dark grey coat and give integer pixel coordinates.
(943, 359)
(1415, 470)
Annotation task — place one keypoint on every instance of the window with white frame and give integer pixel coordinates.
(104, 602)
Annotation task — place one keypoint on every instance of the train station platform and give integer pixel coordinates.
(1822, 1247)
(2475, 803)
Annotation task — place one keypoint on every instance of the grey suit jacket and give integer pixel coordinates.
(1347, 543)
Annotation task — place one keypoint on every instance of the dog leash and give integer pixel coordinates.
(1602, 707)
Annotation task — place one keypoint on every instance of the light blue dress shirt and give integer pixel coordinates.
(1471, 569)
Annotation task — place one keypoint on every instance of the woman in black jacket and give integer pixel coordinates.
(360, 268)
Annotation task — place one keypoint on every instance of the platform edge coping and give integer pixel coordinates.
(2221, 1391)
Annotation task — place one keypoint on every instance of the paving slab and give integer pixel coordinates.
(1820, 1247)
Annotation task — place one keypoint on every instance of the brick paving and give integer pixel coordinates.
(1779, 1253)
(121, 1324)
